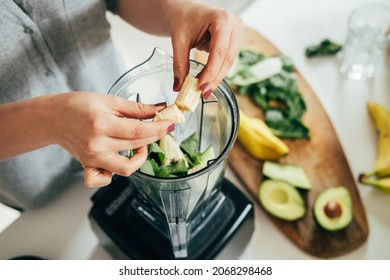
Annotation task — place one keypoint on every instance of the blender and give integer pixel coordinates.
(197, 216)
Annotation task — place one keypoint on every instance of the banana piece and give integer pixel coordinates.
(172, 113)
(381, 117)
(171, 150)
(187, 100)
(258, 139)
(189, 95)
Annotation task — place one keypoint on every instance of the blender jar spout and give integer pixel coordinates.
(175, 200)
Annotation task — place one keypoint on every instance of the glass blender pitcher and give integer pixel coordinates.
(185, 203)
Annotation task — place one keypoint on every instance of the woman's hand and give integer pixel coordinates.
(94, 127)
(190, 25)
(200, 26)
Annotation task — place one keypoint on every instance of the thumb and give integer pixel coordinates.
(136, 110)
(181, 62)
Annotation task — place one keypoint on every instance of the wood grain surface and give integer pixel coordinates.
(321, 157)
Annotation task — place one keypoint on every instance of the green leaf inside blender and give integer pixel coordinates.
(190, 145)
(156, 153)
(167, 158)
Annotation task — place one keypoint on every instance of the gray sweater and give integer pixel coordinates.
(50, 46)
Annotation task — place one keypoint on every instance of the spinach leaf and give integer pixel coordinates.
(287, 63)
(325, 48)
(249, 58)
(278, 94)
(156, 153)
(193, 159)
(288, 128)
(190, 145)
(177, 168)
(160, 170)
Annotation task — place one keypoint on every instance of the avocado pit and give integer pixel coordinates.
(333, 209)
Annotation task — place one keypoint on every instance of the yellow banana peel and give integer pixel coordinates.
(379, 176)
(382, 184)
(381, 117)
(258, 139)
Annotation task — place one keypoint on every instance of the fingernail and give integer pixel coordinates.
(203, 86)
(207, 94)
(176, 84)
(171, 128)
(161, 104)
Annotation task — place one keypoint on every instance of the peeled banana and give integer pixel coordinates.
(172, 113)
(379, 176)
(189, 95)
(187, 100)
(258, 139)
(171, 150)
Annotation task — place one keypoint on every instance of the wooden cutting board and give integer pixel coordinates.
(321, 157)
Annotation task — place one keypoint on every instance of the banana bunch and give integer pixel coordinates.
(379, 176)
(258, 139)
(187, 100)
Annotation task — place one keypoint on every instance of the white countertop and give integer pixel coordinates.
(61, 230)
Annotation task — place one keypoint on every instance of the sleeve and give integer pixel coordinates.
(112, 6)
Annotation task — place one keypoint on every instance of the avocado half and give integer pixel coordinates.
(281, 200)
(333, 208)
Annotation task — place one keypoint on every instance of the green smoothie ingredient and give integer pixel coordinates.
(281, 200)
(289, 173)
(272, 85)
(325, 48)
(333, 208)
(167, 158)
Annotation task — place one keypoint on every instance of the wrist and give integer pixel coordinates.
(43, 110)
(27, 126)
(170, 9)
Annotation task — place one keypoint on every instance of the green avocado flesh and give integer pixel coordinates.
(207, 155)
(292, 174)
(281, 200)
(342, 197)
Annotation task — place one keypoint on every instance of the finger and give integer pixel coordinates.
(231, 55)
(131, 109)
(219, 45)
(124, 166)
(124, 145)
(135, 129)
(116, 144)
(181, 63)
(96, 177)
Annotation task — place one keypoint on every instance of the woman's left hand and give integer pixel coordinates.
(195, 25)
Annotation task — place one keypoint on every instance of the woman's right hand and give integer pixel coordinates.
(94, 127)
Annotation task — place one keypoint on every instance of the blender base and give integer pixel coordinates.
(126, 233)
